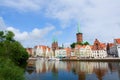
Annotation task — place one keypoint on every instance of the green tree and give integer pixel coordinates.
(10, 36)
(8, 70)
(18, 54)
(79, 43)
(2, 37)
(12, 56)
(73, 45)
(86, 43)
(12, 49)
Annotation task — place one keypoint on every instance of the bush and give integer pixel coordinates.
(9, 71)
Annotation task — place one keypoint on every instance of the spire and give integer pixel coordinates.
(62, 45)
(54, 39)
(78, 28)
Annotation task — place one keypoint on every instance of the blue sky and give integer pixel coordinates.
(36, 22)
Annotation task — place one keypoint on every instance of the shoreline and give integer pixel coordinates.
(85, 59)
(98, 59)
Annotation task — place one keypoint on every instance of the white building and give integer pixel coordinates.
(115, 50)
(30, 51)
(99, 53)
(83, 51)
(99, 49)
(61, 53)
(42, 51)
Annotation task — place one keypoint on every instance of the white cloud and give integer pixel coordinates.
(98, 18)
(20, 36)
(36, 36)
(57, 33)
(23, 5)
(2, 24)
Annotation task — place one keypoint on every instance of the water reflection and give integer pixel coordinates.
(74, 70)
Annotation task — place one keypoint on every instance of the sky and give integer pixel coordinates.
(37, 22)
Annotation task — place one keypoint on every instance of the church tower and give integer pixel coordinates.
(79, 35)
(54, 45)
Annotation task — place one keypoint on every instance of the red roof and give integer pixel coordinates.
(117, 41)
(29, 50)
(111, 44)
(98, 45)
(43, 47)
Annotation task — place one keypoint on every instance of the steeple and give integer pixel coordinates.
(54, 45)
(54, 39)
(78, 28)
(79, 34)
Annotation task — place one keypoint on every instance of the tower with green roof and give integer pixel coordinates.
(79, 35)
(54, 45)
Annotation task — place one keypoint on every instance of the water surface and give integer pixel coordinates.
(73, 70)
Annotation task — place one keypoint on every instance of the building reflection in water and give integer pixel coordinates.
(84, 70)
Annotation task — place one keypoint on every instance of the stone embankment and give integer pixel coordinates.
(93, 59)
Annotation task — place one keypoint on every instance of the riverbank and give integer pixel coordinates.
(84, 59)
(95, 59)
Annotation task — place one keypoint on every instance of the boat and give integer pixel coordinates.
(53, 59)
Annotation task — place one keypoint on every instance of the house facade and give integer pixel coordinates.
(99, 49)
(115, 50)
(83, 51)
(42, 51)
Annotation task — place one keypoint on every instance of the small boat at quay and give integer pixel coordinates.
(54, 59)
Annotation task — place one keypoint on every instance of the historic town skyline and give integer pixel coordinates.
(37, 22)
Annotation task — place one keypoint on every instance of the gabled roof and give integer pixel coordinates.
(43, 47)
(29, 50)
(117, 40)
(98, 45)
(111, 44)
(103, 45)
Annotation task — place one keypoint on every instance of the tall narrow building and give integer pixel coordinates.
(54, 45)
(79, 35)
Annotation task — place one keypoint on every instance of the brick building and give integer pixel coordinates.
(79, 36)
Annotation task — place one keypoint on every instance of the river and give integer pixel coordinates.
(73, 70)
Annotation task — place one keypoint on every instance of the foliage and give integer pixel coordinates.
(79, 43)
(73, 45)
(12, 56)
(9, 48)
(86, 43)
(8, 71)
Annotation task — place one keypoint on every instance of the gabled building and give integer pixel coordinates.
(63, 53)
(99, 49)
(115, 50)
(41, 51)
(83, 51)
(79, 35)
(54, 46)
(30, 51)
(60, 53)
(109, 45)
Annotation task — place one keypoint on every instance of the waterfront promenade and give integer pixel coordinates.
(85, 59)
(93, 59)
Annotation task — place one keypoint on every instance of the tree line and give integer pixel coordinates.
(13, 57)
(78, 43)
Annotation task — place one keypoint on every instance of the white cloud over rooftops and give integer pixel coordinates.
(99, 18)
(25, 36)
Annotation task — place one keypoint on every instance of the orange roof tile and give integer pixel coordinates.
(29, 50)
(111, 44)
(117, 41)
